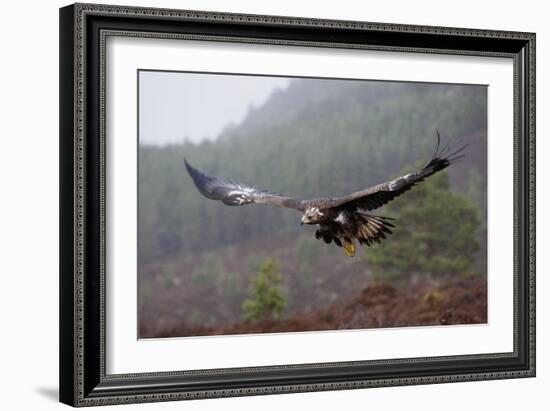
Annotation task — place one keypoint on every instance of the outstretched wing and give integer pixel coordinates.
(381, 194)
(236, 194)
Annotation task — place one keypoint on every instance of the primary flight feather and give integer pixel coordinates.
(341, 220)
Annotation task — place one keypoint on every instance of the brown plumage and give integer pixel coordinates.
(341, 220)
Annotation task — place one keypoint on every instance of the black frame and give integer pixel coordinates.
(83, 30)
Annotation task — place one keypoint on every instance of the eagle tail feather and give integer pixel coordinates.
(372, 229)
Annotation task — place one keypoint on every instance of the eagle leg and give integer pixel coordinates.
(349, 247)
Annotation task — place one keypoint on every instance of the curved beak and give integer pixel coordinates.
(304, 220)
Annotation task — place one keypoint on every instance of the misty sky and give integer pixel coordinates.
(177, 107)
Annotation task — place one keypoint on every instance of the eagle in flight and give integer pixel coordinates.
(341, 220)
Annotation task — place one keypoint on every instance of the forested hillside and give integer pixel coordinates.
(316, 138)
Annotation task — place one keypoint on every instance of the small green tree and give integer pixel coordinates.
(435, 234)
(267, 298)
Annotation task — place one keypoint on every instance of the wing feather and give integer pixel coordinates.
(236, 194)
(376, 196)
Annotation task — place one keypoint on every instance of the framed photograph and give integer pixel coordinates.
(262, 204)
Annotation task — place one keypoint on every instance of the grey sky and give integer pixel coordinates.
(174, 107)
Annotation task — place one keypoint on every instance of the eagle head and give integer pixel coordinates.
(312, 215)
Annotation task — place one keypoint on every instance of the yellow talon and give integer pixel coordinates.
(349, 248)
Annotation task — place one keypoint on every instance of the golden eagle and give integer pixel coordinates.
(339, 219)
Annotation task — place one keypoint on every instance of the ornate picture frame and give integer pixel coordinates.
(84, 376)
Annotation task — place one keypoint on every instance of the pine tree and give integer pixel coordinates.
(267, 298)
(435, 234)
